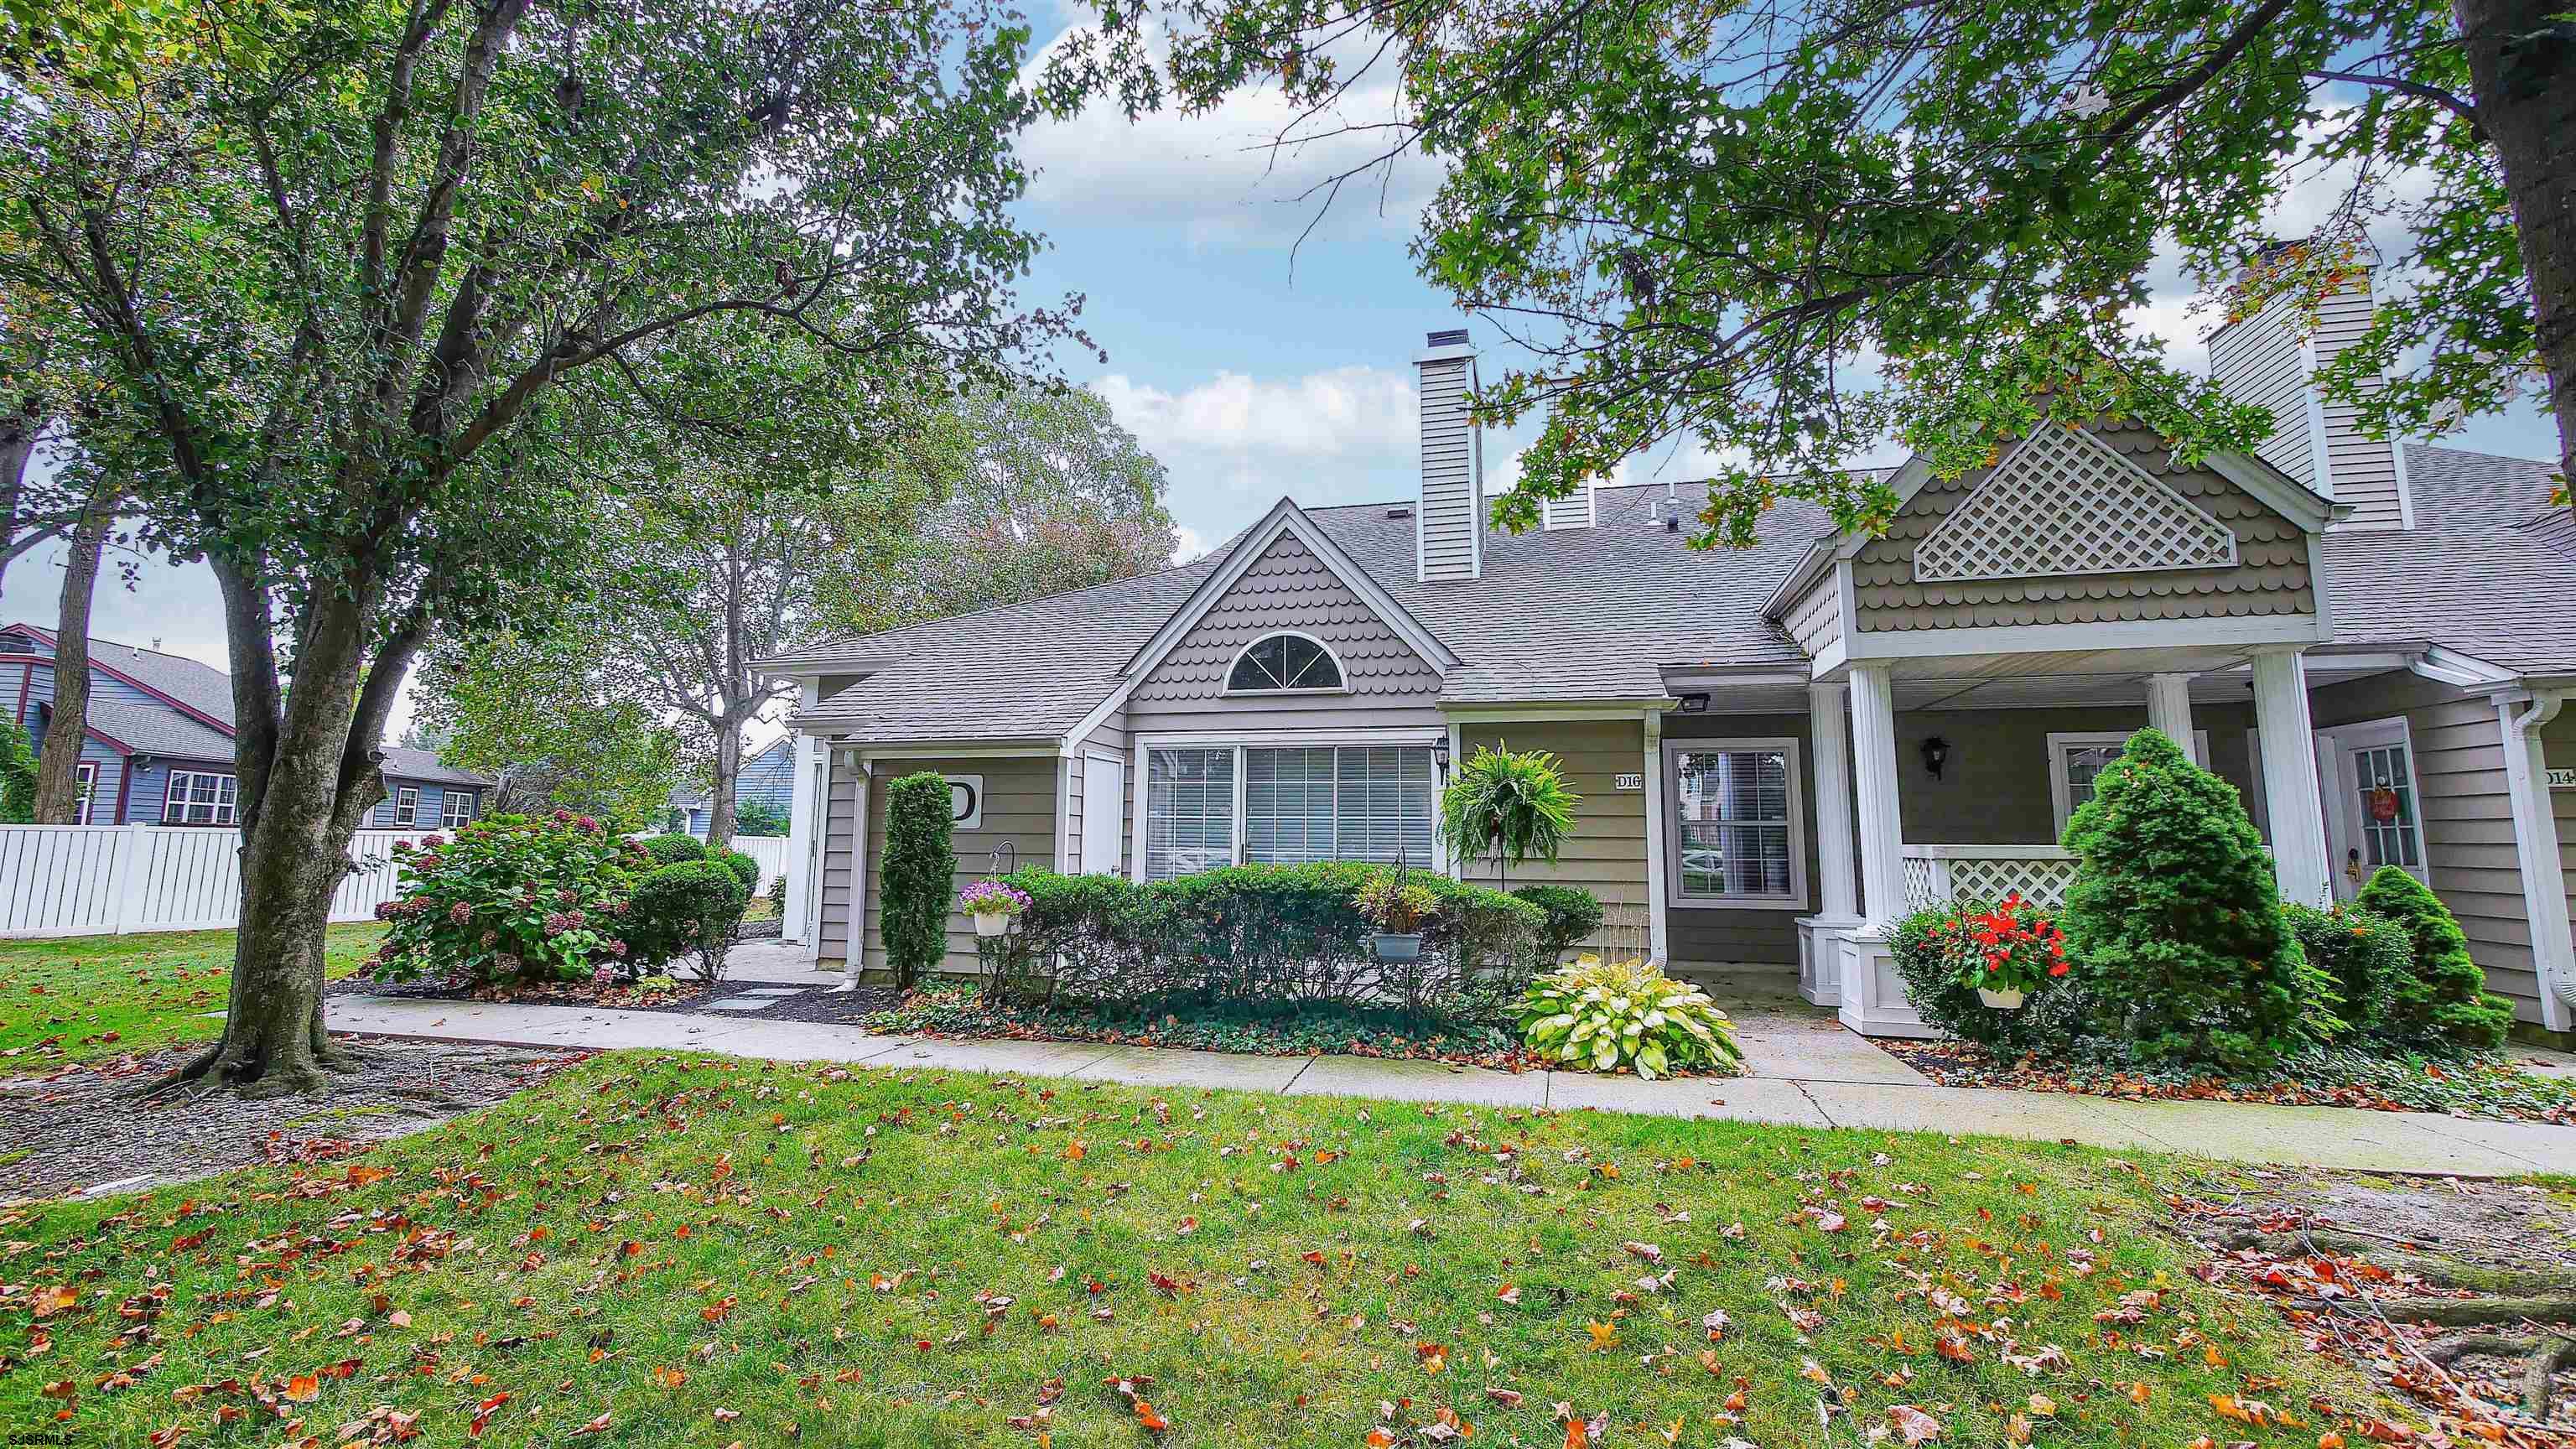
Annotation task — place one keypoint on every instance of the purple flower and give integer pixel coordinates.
(432, 841)
(603, 975)
(561, 816)
(460, 913)
(567, 896)
(491, 939)
(617, 949)
(387, 910)
(506, 961)
(557, 923)
(588, 824)
(577, 918)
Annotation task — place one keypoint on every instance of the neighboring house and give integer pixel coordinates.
(160, 745)
(1783, 748)
(767, 777)
(422, 794)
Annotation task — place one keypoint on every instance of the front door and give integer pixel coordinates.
(2367, 774)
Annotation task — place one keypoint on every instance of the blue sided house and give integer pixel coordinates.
(767, 778)
(160, 746)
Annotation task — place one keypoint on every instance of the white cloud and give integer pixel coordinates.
(1216, 176)
(1235, 443)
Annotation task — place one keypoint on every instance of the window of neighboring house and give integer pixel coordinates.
(86, 772)
(198, 797)
(1738, 837)
(1297, 804)
(1284, 663)
(2076, 759)
(455, 808)
(406, 806)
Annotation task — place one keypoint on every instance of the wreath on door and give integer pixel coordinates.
(2381, 801)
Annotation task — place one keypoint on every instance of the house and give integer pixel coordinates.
(160, 745)
(1779, 749)
(767, 777)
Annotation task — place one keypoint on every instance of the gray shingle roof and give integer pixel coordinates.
(2489, 568)
(155, 729)
(408, 764)
(199, 686)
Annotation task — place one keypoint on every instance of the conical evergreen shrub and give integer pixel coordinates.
(2175, 919)
(2443, 1001)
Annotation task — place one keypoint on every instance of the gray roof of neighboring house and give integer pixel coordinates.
(2488, 570)
(154, 729)
(401, 763)
(201, 687)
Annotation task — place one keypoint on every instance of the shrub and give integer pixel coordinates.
(745, 869)
(1937, 953)
(2176, 919)
(2442, 1001)
(510, 897)
(1608, 1015)
(673, 847)
(689, 905)
(1509, 806)
(2369, 957)
(759, 817)
(919, 872)
(17, 775)
(1570, 915)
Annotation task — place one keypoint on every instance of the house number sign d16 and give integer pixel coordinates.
(1629, 782)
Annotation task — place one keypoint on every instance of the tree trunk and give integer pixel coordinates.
(58, 796)
(2522, 74)
(18, 433)
(728, 771)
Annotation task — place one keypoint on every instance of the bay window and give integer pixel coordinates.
(1208, 806)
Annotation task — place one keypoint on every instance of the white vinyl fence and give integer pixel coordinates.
(98, 880)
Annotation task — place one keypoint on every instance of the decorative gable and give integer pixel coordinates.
(2066, 502)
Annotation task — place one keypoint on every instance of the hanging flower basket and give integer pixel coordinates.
(2006, 953)
(2006, 1000)
(1396, 945)
(993, 905)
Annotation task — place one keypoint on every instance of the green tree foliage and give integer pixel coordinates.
(1510, 806)
(759, 817)
(2174, 919)
(919, 876)
(527, 709)
(2442, 1001)
(2371, 958)
(378, 288)
(17, 775)
(1790, 228)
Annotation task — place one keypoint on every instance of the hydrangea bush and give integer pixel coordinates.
(510, 898)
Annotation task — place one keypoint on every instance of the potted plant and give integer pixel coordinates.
(2006, 953)
(1514, 807)
(993, 905)
(1397, 907)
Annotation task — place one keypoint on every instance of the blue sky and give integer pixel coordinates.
(1247, 380)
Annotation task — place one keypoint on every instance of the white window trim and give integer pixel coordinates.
(406, 806)
(85, 775)
(1797, 899)
(449, 817)
(2343, 804)
(225, 813)
(1140, 777)
(1340, 670)
(2061, 791)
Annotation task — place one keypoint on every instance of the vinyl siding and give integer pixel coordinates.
(1701, 936)
(2558, 748)
(2468, 816)
(1606, 853)
(2270, 577)
(2263, 359)
(1019, 807)
(1994, 786)
(433, 804)
(152, 785)
(768, 777)
(1453, 502)
(2259, 360)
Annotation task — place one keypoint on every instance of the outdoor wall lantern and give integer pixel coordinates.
(1440, 757)
(1694, 704)
(1936, 752)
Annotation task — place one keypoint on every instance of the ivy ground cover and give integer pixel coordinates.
(652, 1250)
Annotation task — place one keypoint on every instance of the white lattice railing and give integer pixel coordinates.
(1938, 873)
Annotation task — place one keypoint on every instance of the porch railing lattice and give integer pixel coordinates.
(1937, 874)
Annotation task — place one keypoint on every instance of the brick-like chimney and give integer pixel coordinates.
(2264, 359)
(1449, 527)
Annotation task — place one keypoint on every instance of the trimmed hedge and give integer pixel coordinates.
(2442, 1002)
(1572, 914)
(672, 848)
(688, 905)
(2369, 956)
(743, 866)
(917, 879)
(1273, 935)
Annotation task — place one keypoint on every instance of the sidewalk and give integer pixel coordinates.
(1802, 1071)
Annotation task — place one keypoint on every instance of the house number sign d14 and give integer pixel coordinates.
(2562, 779)
(1629, 782)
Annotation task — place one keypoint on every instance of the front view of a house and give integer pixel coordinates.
(1779, 749)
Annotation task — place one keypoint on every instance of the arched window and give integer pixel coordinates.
(1284, 661)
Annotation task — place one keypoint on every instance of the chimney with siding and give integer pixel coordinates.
(1449, 527)
(2264, 359)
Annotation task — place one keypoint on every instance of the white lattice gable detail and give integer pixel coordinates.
(2066, 502)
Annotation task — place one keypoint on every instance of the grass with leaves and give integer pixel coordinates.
(653, 1251)
(85, 998)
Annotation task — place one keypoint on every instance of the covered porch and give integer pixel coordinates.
(1937, 777)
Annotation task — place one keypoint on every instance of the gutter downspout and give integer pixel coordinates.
(2535, 834)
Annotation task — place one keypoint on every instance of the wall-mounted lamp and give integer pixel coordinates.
(1694, 704)
(1440, 757)
(1936, 752)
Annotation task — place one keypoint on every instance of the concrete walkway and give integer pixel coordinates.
(1803, 1069)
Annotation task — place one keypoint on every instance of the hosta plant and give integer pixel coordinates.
(1608, 1015)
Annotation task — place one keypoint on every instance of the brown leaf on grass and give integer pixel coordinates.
(302, 1389)
(595, 1426)
(1913, 1425)
(1508, 1398)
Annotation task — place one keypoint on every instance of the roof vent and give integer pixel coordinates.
(1453, 337)
(1399, 510)
(1575, 510)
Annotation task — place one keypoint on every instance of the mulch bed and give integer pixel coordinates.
(87, 1126)
(1964, 1064)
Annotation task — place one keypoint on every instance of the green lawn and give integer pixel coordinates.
(100, 996)
(656, 1251)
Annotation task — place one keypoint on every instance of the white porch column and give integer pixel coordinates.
(1658, 866)
(1820, 936)
(2290, 777)
(856, 950)
(2535, 838)
(1881, 836)
(804, 831)
(2169, 710)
